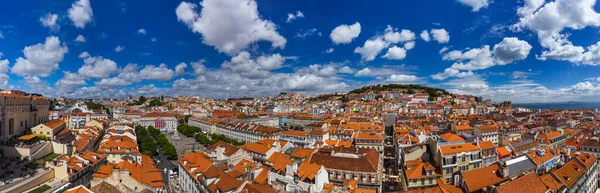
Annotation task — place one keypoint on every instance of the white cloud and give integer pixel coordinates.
(549, 20)
(97, 67)
(310, 82)
(444, 49)
(292, 16)
(153, 39)
(402, 78)
(84, 55)
(71, 80)
(160, 73)
(530, 7)
(3, 72)
(363, 72)
(409, 45)
(394, 36)
(346, 70)
(475, 4)
(119, 48)
(395, 53)
(40, 59)
(254, 68)
(141, 31)
(80, 38)
(199, 67)
(180, 68)
(425, 36)
(307, 33)
(229, 25)
(449, 72)
(111, 83)
(511, 49)
(330, 50)
(50, 21)
(1, 35)
(344, 34)
(371, 48)
(81, 13)
(440, 35)
(505, 52)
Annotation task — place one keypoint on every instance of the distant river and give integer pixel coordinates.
(562, 105)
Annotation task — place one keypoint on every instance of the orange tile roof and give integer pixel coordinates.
(482, 177)
(295, 133)
(79, 189)
(308, 171)
(458, 148)
(144, 172)
(451, 137)
(302, 153)
(54, 124)
(531, 181)
(486, 145)
(256, 148)
(570, 172)
(420, 170)
(103, 172)
(551, 182)
(463, 127)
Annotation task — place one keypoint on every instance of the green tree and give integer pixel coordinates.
(238, 104)
(142, 99)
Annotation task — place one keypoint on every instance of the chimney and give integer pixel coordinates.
(503, 169)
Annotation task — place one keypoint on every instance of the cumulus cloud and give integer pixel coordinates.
(229, 25)
(84, 55)
(409, 45)
(141, 31)
(199, 67)
(111, 83)
(371, 48)
(159, 73)
(402, 78)
(119, 48)
(344, 34)
(291, 16)
(310, 82)
(40, 59)
(394, 36)
(449, 72)
(511, 49)
(3, 72)
(330, 50)
(70, 80)
(180, 68)
(475, 4)
(81, 13)
(50, 21)
(254, 68)
(440, 35)
(80, 38)
(395, 53)
(550, 19)
(425, 36)
(97, 67)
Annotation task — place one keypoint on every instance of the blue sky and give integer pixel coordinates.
(525, 51)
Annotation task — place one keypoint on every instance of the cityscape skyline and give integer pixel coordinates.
(531, 51)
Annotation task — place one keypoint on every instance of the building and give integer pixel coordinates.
(192, 168)
(362, 165)
(369, 140)
(552, 140)
(579, 174)
(488, 153)
(50, 129)
(79, 169)
(452, 159)
(239, 131)
(130, 176)
(159, 120)
(420, 174)
(120, 142)
(20, 112)
(488, 133)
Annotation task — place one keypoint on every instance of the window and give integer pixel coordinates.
(430, 180)
(422, 181)
(463, 158)
(414, 181)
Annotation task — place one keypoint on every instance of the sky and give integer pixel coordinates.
(524, 51)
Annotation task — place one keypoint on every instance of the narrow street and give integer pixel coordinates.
(163, 163)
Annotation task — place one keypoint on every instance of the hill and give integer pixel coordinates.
(408, 88)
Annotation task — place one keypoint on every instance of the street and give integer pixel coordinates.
(163, 163)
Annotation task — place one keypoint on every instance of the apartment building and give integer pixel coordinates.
(488, 153)
(458, 157)
(580, 174)
(544, 159)
(420, 174)
(552, 140)
(20, 112)
(369, 140)
(359, 164)
(192, 168)
(79, 169)
(120, 142)
(50, 129)
(522, 146)
(130, 176)
(488, 133)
